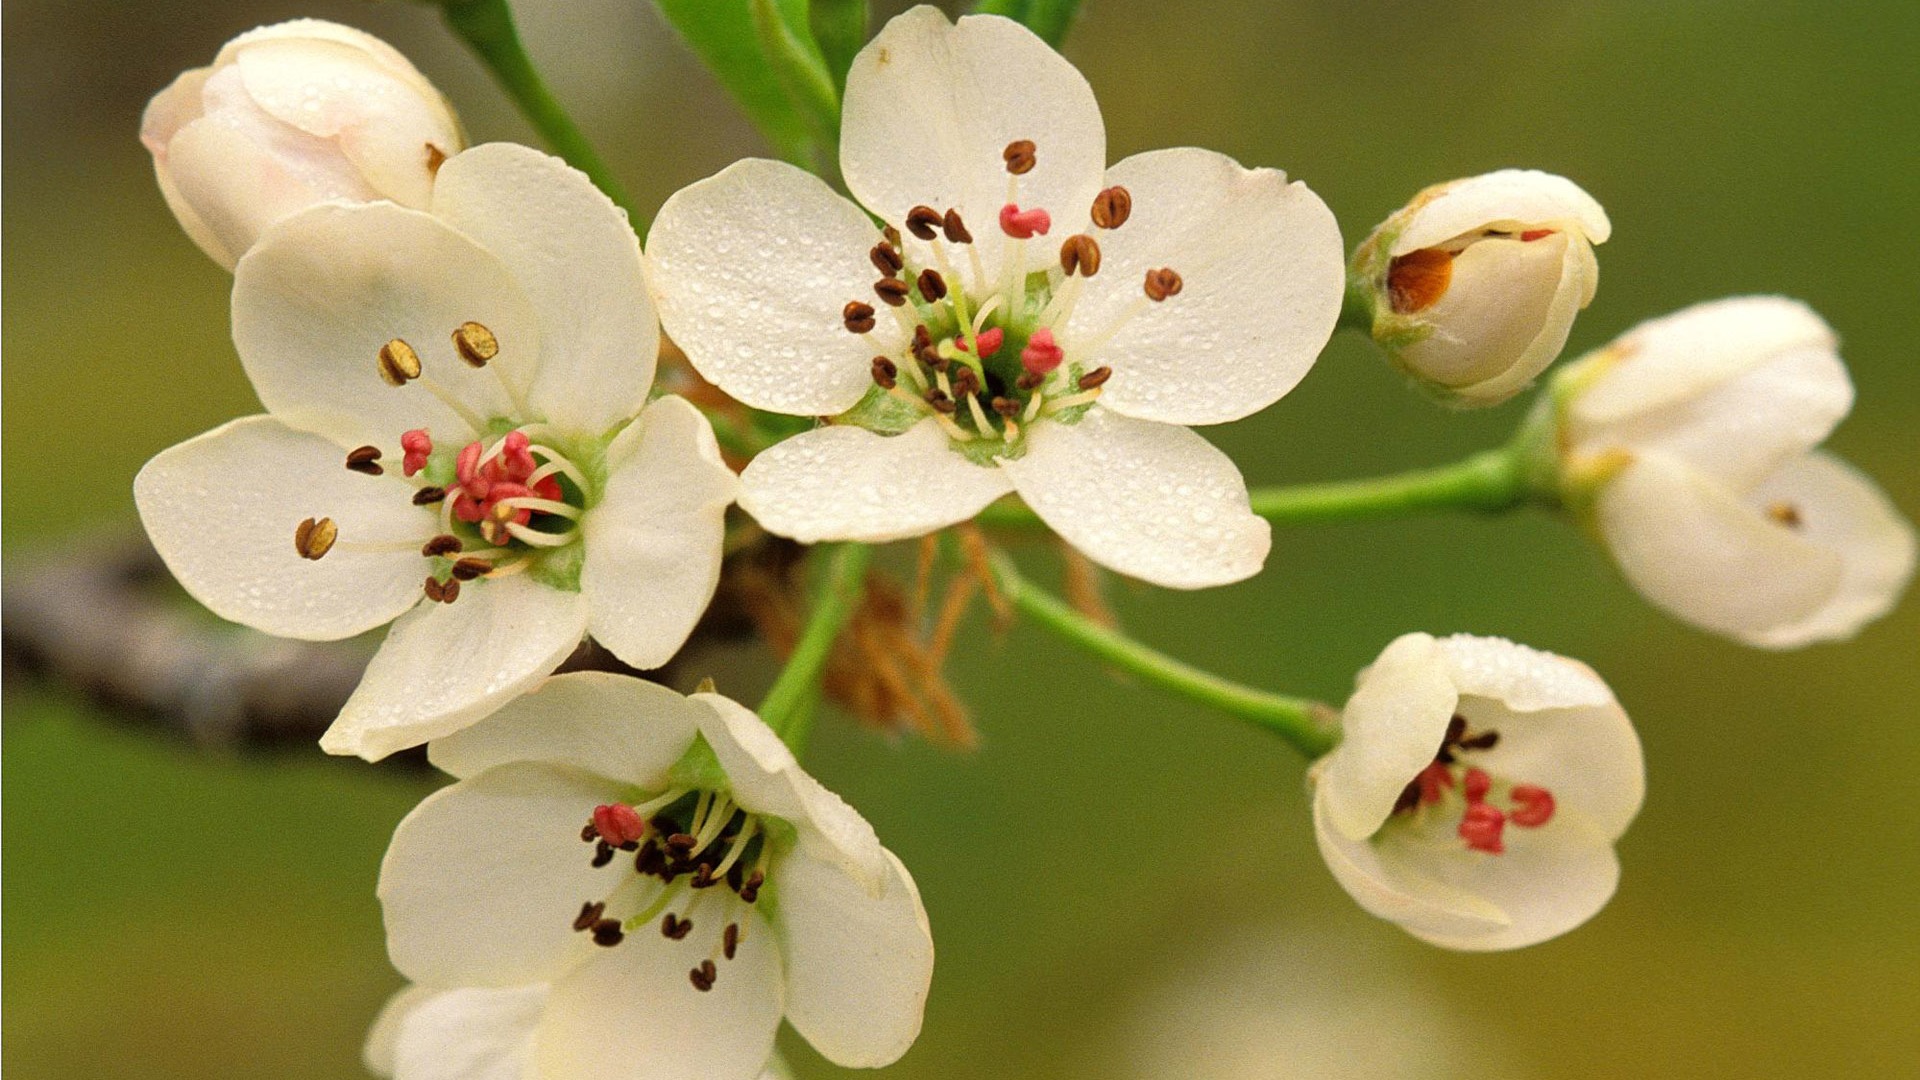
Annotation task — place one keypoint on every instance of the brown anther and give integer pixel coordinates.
(1019, 156)
(590, 913)
(680, 843)
(1006, 406)
(449, 592)
(1486, 740)
(730, 940)
(1096, 378)
(436, 157)
(751, 890)
(1163, 283)
(602, 853)
(940, 401)
(923, 221)
(365, 459)
(469, 568)
(885, 373)
(857, 316)
(1417, 280)
(607, 933)
(435, 591)
(954, 228)
(650, 860)
(886, 259)
(314, 537)
(427, 496)
(965, 383)
(674, 928)
(1029, 380)
(893, 236)
(589, 832)
(1785, 513)
(891, 290)
(1080, 255)
(1456, 730)
(702, 977)
(1112, 207)
(475, 344)
(703, 877)
(444, 544)
(399, 364)
(932, 286)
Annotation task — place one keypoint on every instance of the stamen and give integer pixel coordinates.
(543, 506)
(436, 157)
(365, 459)
(469, 568)
(739, 848)
(1417, 280)
(1019, 157)
(702, 977)
(427, 496)
(674, 928)
(932, 286)
(1112, 207)
(399, 364)
(1163, 283)
(1095, 379)
(730, 940)
(1080, 255)
(475, 344)
(954, 431)
(954, 228)
(556, 463)
(314, 537)
(979, 415)
(590, 914)
(885, 374)
(607, 933)
(534, 537)
(892, 236)
(444, 544)
(891, 290)
(441, 592)
(857, 316)
(922, 221)
(886, 259)
(1785, 513)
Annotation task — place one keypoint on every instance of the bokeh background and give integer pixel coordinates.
(1121, 885)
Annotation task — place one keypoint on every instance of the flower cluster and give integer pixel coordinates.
(463, 437)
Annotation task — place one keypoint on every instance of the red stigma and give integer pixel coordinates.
(988, 341)
(417, 445)
(1531, 235)
(1041, 355)
(481, 486)
(1434, 780)
(619, 824)
(1532, 805)
(1024, 224)
(1475, 784)
(1481, 828)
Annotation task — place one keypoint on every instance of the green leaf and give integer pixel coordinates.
(840, 26)
(1048, 18)
(727, 36)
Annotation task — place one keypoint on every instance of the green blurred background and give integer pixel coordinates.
(1120, 885)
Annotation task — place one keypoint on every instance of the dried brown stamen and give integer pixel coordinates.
(314, 537)
(1080, 255)
(602, 854)
(886, 258)
(365, 459)
(702, 977)
(857, 316)
(674, 928)
(955, 229)
(750, 891)
(891, 290)
(1006, 406)
(1019, 156)
(893, 236)
(1163, 283)
(1417, 280)
(885, 373)
(469, 568)
(1112, 207)
(730, 940)
(940, 401)
(965, 383)
(932, 286)
(399, 364)
(427, 496)
(607, 933)
(441, 592)
(444, 544)
(1029, 380)
(436, 157)
(923, 221)
(590, 913)
(1785, 513)
(1096, 378)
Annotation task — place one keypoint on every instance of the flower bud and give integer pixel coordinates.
(288, 116)
(1474, 285)
(1690, 446)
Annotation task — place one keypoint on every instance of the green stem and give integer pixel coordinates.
(788, 705)
(1297, 720)
(1487, 482)
(487, 28)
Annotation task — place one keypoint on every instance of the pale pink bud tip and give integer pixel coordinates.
(418, 446)
(989, 341)
(1041, 355)
(1476, 783)
(1532, 806)
(1024, 224)
(1481, 828)
(619, 824)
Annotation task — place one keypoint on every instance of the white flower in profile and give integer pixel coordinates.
(1691, 439)
(457, 396)
(1477, 792)
(625, 882)
(1475, 284)
(290, 116)
(1044, 324)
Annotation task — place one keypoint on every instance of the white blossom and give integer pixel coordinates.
(1027, 320)
(455, 397)
(1477, 791)
(290, 116)
(1476, 283)
(625, 882)
(1691, 441)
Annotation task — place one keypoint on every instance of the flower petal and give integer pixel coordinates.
(222, 509)
(1666, 360)
(752, 268)
(1154, 501)
(630, 1012)
(1742, 429)
(483, 879)
(577, 260)
(1380, 883)
(1520, 678)
(858, 965)
(472, 1033)
(444, 666)
(1517, 196)
(615, 725)
(1695, 550)
(378, 1053)
(1263, 271)
(847, 483)
(1392, 725)
(1843, 511)
(323, 291)
(653, 541)
(931, 106)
